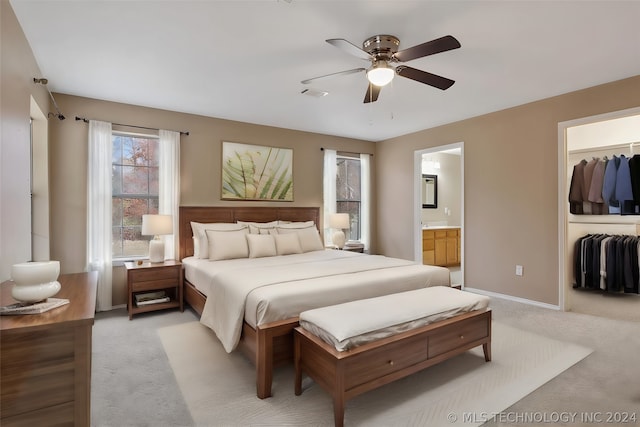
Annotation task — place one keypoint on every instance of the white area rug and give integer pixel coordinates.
(219, 388)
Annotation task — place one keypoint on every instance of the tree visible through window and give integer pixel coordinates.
(348, 192)
(135, 185)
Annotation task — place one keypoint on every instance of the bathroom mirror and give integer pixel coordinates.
(429, 191)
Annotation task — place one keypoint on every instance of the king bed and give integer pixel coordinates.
(252, 299)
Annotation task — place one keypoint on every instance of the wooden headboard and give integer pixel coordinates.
(207, 214)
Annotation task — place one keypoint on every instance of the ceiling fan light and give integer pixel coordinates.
(380, 74)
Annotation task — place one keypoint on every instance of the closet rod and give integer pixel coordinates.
(130, 126)
(628, 145)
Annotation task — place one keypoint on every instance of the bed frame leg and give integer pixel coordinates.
(264, 365)
(338, 411)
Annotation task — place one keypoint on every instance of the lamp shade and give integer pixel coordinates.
(380, 74)
(157, 225)
(339, 220)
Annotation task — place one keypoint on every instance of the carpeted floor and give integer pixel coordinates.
(221, 386)
(133, 383)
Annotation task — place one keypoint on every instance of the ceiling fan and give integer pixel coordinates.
(382, 52)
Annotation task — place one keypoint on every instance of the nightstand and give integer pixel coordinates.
(154, 277)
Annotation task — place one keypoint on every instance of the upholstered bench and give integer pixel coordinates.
(352, 348)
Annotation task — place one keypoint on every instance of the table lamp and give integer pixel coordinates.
(339, 221)
(156, 225)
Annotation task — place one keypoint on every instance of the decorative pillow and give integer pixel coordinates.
(260, 227)
(199, 231)
(310, 239)
(227, 244)
(261, 245)
(271, 231)
(287, 244)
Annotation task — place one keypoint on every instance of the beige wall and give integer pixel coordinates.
(18, 68)
(200, 161)
(511, 188)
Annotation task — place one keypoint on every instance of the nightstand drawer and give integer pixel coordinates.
(153, 285)
(155, 274)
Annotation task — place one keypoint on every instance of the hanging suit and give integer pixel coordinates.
(634, 170)
(576, 188)
(608, 263)
(598, 206)
(624, 193)
(609, 185)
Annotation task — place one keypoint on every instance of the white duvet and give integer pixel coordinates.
(263, 290)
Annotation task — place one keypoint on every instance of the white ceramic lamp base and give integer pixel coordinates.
(338, 239)
(156, 251)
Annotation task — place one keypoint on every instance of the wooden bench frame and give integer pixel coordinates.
(346, 374)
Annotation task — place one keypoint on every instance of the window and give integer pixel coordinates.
(349, 191)
(135, 186)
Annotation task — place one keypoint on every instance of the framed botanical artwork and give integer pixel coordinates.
(255, 172)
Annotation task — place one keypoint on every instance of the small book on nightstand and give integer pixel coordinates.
(151, 298)
(354, 246)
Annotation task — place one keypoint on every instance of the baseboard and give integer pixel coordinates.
(512, 298)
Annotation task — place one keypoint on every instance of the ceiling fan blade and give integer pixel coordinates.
(350, 48)
(372, 93)
(355, 70)
(424, 77)
(429, 48)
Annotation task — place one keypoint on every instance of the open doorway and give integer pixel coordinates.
(439, 208)
(603, 138)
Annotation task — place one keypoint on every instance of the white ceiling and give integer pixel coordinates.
(244, 60)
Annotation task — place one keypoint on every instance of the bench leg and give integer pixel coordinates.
(296, 362)
(486, 348)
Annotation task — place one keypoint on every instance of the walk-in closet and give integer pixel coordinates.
(599, 228)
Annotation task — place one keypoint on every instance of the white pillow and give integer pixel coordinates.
(287, 244)
(310, 239)
(260, 227)
(201, 236)
(227, 244)
(261, 245)
(295, 225)
(196, 247)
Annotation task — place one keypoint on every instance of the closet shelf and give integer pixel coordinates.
(605, 219)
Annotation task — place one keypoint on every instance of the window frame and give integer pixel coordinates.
(122, 196)
(354, 158)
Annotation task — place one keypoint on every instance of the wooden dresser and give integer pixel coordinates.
(45, 359)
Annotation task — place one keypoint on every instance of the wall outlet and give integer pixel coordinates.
(519, 270)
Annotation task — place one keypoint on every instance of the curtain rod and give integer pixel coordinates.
(131, 126)
(343, 151)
